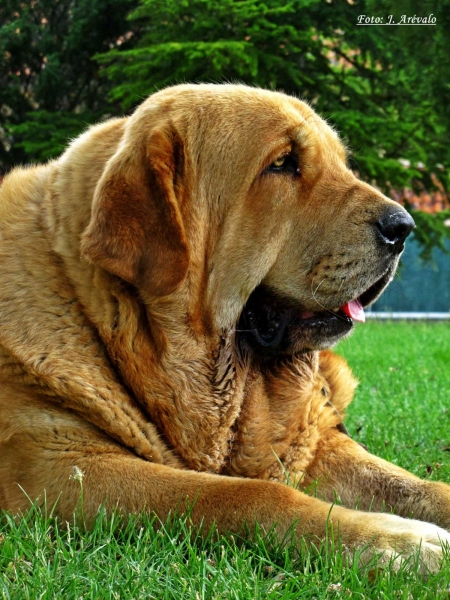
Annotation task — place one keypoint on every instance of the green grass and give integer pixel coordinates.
(400, 412)
(402, 407)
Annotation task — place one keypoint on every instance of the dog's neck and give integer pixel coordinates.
(182, 375)
(191, 385)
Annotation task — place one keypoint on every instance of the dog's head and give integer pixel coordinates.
(243, 197)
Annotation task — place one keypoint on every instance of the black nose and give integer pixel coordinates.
(395, 226)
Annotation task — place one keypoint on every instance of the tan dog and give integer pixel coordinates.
(166, 287)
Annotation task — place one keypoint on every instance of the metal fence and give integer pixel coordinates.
(419, 287)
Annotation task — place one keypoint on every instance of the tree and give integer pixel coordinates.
(49, 83)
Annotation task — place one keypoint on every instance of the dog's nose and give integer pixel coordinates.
(395, 226)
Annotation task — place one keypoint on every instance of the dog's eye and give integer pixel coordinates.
(279, 162)
(284, 164)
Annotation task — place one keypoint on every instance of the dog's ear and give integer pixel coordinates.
(136, 230)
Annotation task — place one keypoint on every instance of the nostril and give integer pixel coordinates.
(395, 227)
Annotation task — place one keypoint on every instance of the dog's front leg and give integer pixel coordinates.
(343, 468)
(101, 473)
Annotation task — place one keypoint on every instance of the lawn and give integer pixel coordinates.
(401, 412)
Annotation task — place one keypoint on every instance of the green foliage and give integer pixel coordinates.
(214, 40)
(49, 83)
(45, 134)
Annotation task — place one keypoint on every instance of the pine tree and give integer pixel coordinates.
(50, 87)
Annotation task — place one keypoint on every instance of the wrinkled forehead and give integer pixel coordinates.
(262, 120)
(313, 130)
(235, 122)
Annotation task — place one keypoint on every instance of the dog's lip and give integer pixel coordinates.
(367, 297)
(314, 319)
(309, 316)
(364, 299)
(374, 291)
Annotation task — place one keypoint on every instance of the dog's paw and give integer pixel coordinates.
(396, 540)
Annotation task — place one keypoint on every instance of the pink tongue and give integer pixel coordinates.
(354, 310)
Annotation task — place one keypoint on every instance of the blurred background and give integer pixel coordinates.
(65, 64)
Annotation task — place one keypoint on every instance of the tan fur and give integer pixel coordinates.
(124, 268)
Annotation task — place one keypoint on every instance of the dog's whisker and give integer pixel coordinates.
(313, 292)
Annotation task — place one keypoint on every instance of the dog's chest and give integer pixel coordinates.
(283, 418)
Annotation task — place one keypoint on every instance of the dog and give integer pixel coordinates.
(170, 289)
